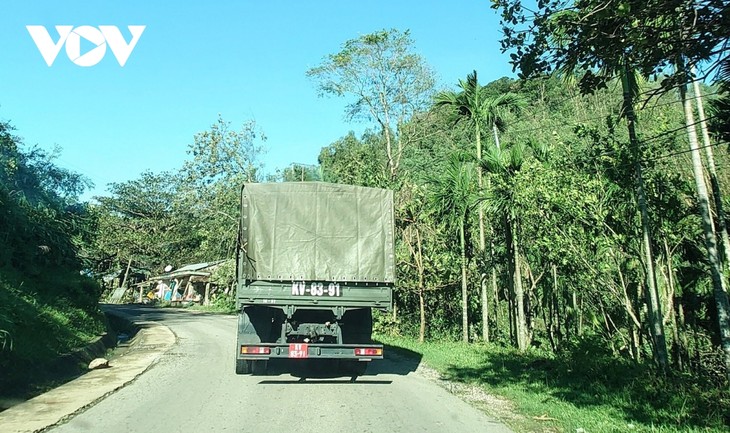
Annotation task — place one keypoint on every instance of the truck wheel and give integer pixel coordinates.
(354, 368)
(258, 368)
(243, 366)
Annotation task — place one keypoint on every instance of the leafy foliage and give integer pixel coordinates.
(46, 306)
(599, 38)
(388, 82)
(179, 218)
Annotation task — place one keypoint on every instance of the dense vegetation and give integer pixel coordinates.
(47, 307)
(567, 227)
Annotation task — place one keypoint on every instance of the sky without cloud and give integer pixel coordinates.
(243, 59)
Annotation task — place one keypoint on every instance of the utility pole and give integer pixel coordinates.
(303, 170)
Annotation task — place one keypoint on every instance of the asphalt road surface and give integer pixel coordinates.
(193, 388)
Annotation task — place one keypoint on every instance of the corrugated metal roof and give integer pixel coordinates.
(196, 266)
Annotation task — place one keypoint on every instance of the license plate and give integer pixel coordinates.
(301, 288)
(298, 350)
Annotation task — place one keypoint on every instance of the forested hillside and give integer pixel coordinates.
(48, 304)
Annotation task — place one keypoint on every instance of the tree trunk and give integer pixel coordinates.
(534, 281)
(684, 348)
(632, 316)
(464, 300)
(485, 307)
(714, 182)
(521, 327)
(126, 273)
(670, 281)
(422, 316)
(718, 284)
(655, 314)
(580, 316)
(510, 291)
(556, 307)
(495, 290)
(392, 163)
(482, 242)
(677, 343)
(549, 305)
(576, 323)
(421, 288)
(609, 333)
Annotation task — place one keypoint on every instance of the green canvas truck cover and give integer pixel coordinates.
(315, 231)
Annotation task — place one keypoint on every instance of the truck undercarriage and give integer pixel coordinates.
(268, 332)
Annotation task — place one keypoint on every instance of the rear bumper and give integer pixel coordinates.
(363, 352)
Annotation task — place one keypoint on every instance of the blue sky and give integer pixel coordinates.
(196, 59)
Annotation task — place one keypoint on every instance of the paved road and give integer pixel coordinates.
(193, 388)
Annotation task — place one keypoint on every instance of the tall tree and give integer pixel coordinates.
(503, 165)
(629, 87)
(453, 198)
(223, 159)
(600, 41)
(387, 82)
(224, 153)
(136, 224)
(474, 104)
(712, 170)
(713, 257)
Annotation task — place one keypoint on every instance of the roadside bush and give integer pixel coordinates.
(385, 324)
(223, 303)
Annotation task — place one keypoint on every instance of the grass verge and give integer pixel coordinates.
(586, 392)
(38, 334)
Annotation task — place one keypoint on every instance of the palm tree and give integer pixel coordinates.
(452, 198)
(711, 245)
(474, 104)
(630, 87)
(503, 164)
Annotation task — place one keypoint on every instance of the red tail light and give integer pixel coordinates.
(255, 350)
(368, 351)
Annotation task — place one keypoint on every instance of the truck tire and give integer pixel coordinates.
(353, 368)
(243, 366)
(254, 326)
(258, 368)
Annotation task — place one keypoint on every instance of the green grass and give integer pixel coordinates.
(587, 389)
(35, 330)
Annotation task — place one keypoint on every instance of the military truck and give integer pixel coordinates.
(314, 259)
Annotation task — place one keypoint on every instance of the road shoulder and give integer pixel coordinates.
(497, 408)
(48, 409)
